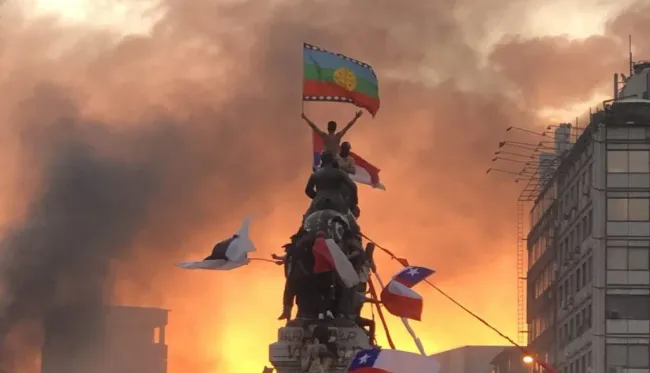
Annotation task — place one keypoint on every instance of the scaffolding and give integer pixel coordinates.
(528, 196)
(521, 279)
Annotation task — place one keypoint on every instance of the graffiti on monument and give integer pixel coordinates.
(295, 335)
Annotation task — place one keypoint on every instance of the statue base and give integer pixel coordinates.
(286, 353)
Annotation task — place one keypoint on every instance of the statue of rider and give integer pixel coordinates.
(331, 188)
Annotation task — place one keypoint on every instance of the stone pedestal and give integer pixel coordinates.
(285, 354)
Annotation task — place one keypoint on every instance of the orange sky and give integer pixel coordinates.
(167, 139)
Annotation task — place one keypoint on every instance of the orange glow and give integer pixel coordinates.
(528, 360)
(209, 101)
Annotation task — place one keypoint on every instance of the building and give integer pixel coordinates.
(588, 279)
(509, 360)
(468, 359)
(121, 340)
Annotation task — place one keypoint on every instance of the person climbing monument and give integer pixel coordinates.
(331, 138)
(345, 161)
(331, 188)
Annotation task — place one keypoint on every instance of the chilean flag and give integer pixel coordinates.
(392, 361)
(328, 256)
(402, 301)
(412, 275)
(366, 173)
(398, 297)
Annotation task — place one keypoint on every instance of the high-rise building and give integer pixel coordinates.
(118, 339)
(588, 280)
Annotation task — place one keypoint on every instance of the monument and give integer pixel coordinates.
(328, 329)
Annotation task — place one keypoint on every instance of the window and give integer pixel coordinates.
(623, 161)
(578, 366)
(637, 356)
(566, 290)
(616, 355)
(639, 161)
(578, 279)
(633, 258)
(616, 258)
(638, 259)
(617, 209)
(622, 209)
(631, 307)
(629, 356)
(639, 209)
(579, 233)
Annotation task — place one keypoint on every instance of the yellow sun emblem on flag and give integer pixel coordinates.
(345, 78)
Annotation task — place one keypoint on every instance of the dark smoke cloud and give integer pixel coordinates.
(142, 148)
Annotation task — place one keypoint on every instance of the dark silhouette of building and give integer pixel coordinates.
(509, 360)
(116, 339)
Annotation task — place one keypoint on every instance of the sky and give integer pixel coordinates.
(136, 133)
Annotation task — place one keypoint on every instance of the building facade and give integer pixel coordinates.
(468, 359)
(588, 277)
(509, 360)
(124, 339)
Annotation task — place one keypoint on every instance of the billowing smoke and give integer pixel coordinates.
(123, 155)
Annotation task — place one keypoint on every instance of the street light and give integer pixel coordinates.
(528, 359)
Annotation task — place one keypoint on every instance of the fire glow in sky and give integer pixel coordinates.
(133, 137)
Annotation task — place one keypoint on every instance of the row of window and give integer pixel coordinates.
(628, 258)
(544, 281)
(627, 356)
(580, 232)
(585, 157)
(573, 194)
(627, 307)
(542, 205)
(628, 161)
(575, 326)
(628, 209)
(578, 365)
(575, 281)
(539, 325)
(627, 133)
(540, 246)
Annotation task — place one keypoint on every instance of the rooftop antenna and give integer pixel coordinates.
(631, 59)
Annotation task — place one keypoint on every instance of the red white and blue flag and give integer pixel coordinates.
(412, 275)
(398, 297)
(392, 361)
(366, 173)
(401, 301)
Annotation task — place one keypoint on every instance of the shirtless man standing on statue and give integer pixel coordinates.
(331, 138)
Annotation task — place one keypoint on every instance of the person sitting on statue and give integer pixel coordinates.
(331, 138)
(345, 161)
(328, 188)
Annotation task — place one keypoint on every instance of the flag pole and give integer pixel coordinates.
(373, 294)
(302, 88)
(405, 321)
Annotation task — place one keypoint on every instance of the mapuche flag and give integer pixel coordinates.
(334, 77)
